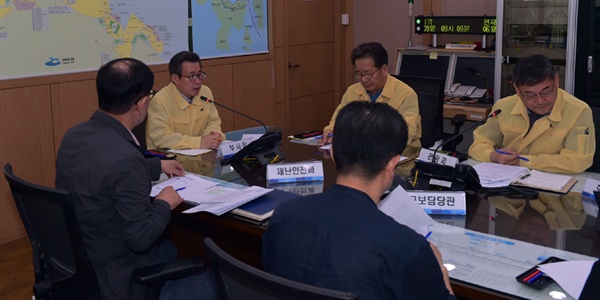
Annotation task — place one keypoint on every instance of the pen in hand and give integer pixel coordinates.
(320, 137)
(518, 156)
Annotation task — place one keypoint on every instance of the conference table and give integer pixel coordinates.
(498, 239)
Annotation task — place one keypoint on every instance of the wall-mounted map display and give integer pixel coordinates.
(43, 37)
(222, 28)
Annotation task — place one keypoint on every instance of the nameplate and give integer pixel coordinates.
(442, 159)
(588, 198)
(300, 188)
(440, 202)
(591, 185)
(295, 172)
(460, 46)
(229, 148)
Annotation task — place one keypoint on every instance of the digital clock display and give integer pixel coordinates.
(455, 25)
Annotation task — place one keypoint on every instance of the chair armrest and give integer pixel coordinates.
(161, 272)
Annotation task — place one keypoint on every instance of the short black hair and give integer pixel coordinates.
(176, 62)
(121, 83)
(533, 70)
(372, 50)
(366, 136)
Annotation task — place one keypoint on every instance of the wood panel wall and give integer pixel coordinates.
(36, 112)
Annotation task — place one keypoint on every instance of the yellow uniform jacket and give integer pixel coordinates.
(561, 142)
(173, 123)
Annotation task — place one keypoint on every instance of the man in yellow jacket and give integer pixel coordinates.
(177, 117)
(541, 127)
(376, 85)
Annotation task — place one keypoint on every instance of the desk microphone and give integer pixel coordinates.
(235, 111)
(491, 115)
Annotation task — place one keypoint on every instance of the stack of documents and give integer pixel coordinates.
(190, 152)
(207, 195)
(498, 175)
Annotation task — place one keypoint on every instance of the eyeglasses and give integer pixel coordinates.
(359, 75)
(150, 95)
(193, 78)
(545, 93)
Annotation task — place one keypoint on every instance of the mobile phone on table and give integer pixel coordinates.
(535, 278)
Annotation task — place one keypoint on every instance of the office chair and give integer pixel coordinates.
(595, 167)
(140, 134)
(430, 92)
(457, 122)
(241, 281)
(61, 265)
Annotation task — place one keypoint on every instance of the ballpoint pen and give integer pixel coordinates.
(518, 156)
(320, 137)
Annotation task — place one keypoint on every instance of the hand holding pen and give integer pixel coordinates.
(507, 156)
(326, 138)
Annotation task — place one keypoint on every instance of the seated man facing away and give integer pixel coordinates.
(548, 128)
(99, 161)
(340, 239)
(177, 117)
(376, 85)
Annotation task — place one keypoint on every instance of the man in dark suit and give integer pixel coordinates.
(340, 239)
(101, 164)
(591, 289)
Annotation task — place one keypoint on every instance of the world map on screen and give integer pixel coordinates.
(45, 37)
(223, 28)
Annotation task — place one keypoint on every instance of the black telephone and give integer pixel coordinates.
(462, 176)
(264, 149)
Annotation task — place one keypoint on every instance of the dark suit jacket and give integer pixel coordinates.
(110, 181)
(591, 289)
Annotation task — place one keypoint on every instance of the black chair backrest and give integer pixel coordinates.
(431, 106)
(241, 281)
(61, 265)
(596, 116)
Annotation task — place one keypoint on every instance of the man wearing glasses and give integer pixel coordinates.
(541, 127)
(100, 163)
(178, 118)
(376, 85)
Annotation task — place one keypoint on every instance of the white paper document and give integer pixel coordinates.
(187, 186)
(399, 205)
(219, 200)
(190, 152)
(570, 275)
(544, 181)
(312, 141)
(251, 136)
(498, 175)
